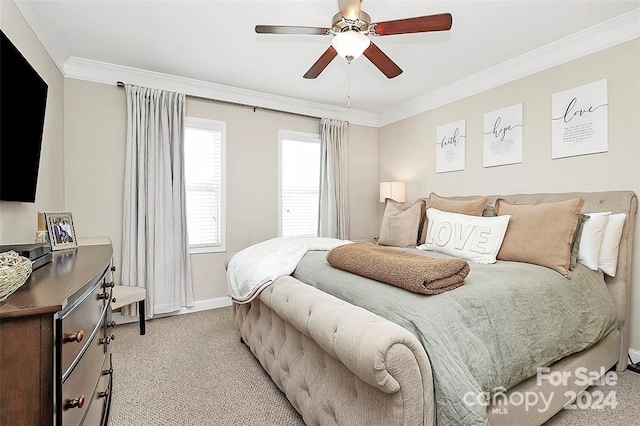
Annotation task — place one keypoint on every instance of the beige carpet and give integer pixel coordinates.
(192, 370)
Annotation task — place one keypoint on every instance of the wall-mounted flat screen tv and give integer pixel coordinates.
(23, 99)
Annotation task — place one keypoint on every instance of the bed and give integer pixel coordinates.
(339, 363)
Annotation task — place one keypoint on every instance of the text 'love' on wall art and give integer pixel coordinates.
(580, 121)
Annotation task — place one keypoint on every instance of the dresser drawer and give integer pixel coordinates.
(82, 380)
(79, 323)
(101, 398)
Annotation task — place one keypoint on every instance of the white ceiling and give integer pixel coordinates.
(214, 41)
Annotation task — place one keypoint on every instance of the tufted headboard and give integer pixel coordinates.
(616, 202)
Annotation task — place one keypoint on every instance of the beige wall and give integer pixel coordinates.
(363, 182)
(95, 131)
(95, 126)
(18, 221)
(407, 153)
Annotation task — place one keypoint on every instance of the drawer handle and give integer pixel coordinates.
(111, 324)
(103, 394)
(107, 340)
(77, 402)
(102, 296)
(109, 285)
(109, 372)
(75, 337)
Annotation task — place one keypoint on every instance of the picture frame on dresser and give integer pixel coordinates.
(62, 234)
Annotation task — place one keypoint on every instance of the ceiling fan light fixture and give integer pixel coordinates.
(350, 44)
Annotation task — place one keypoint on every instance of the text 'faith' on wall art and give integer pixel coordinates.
(580, 120)
(450, 147)
(502, 142)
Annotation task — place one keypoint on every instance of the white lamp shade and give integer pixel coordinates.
(350, 43)
(394, 190)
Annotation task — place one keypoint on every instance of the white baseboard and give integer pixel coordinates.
(635, 355)
(198, 305)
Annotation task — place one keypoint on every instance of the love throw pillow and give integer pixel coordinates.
(473, 207)
(474, 238)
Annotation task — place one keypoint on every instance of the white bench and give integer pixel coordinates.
(122, 295)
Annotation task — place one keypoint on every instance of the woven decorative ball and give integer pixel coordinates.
(14, 271)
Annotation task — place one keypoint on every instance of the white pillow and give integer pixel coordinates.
(591, 239)
(608, 259)
(474, 238)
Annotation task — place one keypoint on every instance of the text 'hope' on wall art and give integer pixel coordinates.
(502, 142)
(579, 120)
(450, 147)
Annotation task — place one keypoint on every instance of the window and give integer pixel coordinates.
(299, 183)
(204, 170)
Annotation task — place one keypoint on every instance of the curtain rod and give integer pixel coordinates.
(121, 84)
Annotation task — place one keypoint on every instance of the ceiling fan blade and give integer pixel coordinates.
(349, 9)
(421, 24)
(287, 29)
(382, 61)
(321, 63)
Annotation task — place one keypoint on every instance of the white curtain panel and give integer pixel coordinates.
(155, 247)
(334, 188)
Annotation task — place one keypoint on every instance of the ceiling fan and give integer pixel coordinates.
(350, 29)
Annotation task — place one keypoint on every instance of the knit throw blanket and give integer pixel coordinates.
(413, 272)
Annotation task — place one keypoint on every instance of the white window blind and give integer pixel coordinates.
(204, 149)
(299, 183)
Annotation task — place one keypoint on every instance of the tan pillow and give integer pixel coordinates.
(400, 224)
(540, 234)
(468, 207)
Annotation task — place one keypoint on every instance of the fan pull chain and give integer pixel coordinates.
(348, 84)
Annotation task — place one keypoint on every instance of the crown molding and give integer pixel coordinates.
(102, 72)
(34, 14)
(609, 33)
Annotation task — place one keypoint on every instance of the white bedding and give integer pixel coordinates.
(251, 270)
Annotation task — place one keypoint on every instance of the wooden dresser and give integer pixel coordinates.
(55, 335)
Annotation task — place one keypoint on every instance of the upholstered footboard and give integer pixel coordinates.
(337, 363)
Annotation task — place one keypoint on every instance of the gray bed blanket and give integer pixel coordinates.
(508, 319)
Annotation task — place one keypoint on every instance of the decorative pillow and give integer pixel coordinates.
(405, 206)
(468, 207)
(575, 245)
(591, 239)
(608, 259)
(470, 237)
(540, 234)
(423, 213)
(400, 226)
